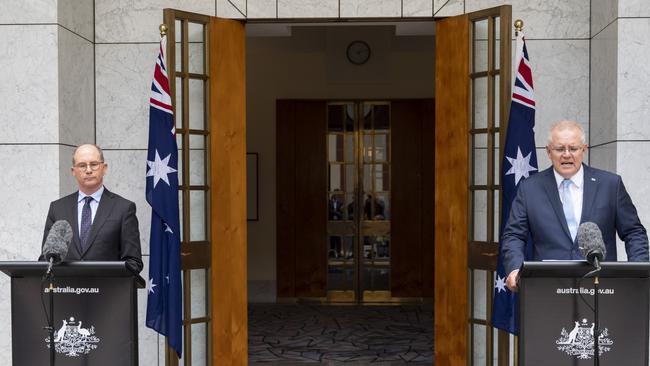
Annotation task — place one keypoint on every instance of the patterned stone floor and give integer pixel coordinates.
(293, 334)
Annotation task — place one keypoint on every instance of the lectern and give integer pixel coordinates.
(557, 320)
(95, 313)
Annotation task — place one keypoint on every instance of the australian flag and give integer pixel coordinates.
(164, 285)
(519, 161)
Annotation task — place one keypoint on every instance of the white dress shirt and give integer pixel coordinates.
(576, 190)
(93, 205)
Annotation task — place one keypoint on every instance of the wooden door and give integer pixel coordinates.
(406, 162)
(472, 95)
(301, 204)
(211, 131)
(412, 228)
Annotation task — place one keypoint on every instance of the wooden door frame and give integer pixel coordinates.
(454, 256)
(228, 188)
(451, 194)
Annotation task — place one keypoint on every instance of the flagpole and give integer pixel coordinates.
(519, 25)
(164, 300)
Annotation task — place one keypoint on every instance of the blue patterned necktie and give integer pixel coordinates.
(567, 206)
(86, 223)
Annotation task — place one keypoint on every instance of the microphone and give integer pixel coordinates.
(590, 242)
(56, 244)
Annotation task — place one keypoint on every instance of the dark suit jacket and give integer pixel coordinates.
(537, 210)
(114, 235)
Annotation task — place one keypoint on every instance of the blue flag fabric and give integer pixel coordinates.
(164, 301)
(519, 162)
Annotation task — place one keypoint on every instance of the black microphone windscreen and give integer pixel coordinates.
(56, 243)
(590, 241)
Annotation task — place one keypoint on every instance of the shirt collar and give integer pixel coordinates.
(578, 178)
(96, 196)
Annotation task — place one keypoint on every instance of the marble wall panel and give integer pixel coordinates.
(603, 12)
(543, 161)
(370, 8)
(480, 295)
(197, 203)
(25, 12)
(78, 17)
(633, 167)
(604, 157)
(199, 306)
(417, 8)
(29, 93)
(479, 334)
(633, 8)
(123, 83)
(126, 177)
(561, 80)
(262, 9)
(26, 195)
(67, 182)
(446, 8)
(308, 8)
(603, 88)
(633, 94)
(76, 89)
(231, 9)
(544, 18)
(139, 21)
(479, 214)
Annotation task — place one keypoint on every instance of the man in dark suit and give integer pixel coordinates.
(104, 224)
(550, 205)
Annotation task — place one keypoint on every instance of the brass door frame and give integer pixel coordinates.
(359, 225)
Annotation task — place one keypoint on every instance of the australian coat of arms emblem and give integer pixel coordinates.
(579, 341)
(72, 340)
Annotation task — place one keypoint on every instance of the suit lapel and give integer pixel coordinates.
(103, 211)
(550, 186)
(590, 186)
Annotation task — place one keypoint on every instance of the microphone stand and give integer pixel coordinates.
(596, 316)
(49, 275)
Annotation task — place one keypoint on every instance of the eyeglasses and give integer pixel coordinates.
(94, 165)
(570, 149)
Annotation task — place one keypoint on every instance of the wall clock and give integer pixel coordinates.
(358, 52)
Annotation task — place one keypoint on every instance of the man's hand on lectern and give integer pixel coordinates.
(513, 280)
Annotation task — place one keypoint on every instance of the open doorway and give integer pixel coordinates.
(320, 77)
(329, 125)
(311, 62)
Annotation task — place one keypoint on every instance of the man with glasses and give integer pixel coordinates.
(104, 225)
(550, 205)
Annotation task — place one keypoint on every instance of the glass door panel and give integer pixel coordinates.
(358, 158)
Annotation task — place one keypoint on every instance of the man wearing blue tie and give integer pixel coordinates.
(104, 225)
(550, 205)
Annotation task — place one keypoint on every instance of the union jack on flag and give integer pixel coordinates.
(160, 98)
(519, 162)
(164, 285)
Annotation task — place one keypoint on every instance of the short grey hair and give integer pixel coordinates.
(564, 125)
(99, 150)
